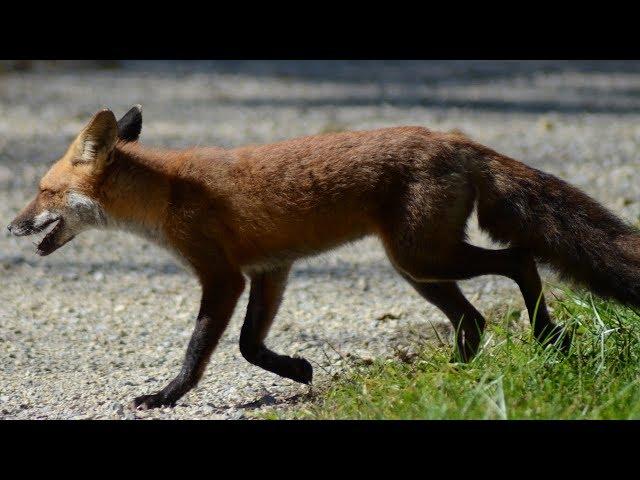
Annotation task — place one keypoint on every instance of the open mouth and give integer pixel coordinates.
(49, 243)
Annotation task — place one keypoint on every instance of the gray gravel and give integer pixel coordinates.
(108, 317)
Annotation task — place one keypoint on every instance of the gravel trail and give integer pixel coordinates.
(108, 316)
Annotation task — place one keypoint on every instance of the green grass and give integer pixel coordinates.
(511, 378)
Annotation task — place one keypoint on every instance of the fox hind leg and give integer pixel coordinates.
(528, 279)
(467, 322)
(463, 261)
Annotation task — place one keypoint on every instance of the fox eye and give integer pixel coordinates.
(46, 191)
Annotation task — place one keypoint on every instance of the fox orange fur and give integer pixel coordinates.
(252, 211)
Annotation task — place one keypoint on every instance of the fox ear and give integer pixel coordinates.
(98, 138)
(130, 125)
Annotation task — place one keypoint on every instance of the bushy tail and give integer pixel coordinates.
(561, 225)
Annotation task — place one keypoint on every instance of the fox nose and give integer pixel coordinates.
(10, 227)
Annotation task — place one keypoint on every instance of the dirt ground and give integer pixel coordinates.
(108, 317)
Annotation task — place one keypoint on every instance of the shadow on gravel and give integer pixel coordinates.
(374, 267)
(408, 72)
(425, 73)
(346, 270)
(410, 101)
(165, 268)
(268, 400)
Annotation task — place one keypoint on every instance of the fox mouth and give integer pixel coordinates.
(50, 242)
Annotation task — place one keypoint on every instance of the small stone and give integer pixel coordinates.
(117, 408)
(389, 316)
(362, 284)
(545, 125)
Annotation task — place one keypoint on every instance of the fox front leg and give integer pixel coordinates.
(218, 301)
(264, 299)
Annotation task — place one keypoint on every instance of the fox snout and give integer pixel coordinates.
(31, 224)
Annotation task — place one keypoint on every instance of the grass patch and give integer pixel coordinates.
(511, 378)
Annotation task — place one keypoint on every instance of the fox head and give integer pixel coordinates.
(68, 193)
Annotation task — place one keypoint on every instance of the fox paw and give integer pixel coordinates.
(464, 352)
(301, 371)
(155, 400)
(559, 337)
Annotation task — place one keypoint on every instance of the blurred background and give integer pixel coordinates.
(108, 316)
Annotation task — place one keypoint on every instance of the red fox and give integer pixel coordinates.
(253, 211)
